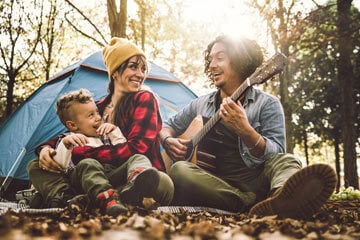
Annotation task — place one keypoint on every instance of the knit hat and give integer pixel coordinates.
(117, 52)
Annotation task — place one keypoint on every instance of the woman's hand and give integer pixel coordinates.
(176, 148)
(46, 161)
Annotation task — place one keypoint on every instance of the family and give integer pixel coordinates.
(111, 151)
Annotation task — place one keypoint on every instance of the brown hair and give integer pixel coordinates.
(66, 101)
(245, 55)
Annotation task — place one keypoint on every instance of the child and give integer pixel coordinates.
(78, 112)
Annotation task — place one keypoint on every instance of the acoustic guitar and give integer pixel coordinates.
(197, 130)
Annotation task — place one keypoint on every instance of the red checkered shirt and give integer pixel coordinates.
(141, 129)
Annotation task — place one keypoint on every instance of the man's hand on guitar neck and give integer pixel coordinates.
(176, 148)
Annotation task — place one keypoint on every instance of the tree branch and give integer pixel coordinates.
(83, 33)
(88, 20)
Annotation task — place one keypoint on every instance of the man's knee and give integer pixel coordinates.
(180, 172)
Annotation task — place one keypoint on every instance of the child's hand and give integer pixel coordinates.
(105, 128)
(76, 139)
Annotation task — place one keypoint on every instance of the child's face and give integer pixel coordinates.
(85, 118)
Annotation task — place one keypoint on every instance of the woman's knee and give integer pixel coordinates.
(139, 158)
(32, 165)
(165, 190)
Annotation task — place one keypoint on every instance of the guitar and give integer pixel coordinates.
(197, 130)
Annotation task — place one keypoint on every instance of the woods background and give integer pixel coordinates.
(319, 89)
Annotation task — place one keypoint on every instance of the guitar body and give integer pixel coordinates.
(201, 155)
(194, 127)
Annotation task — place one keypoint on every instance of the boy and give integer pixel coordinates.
(78, 112)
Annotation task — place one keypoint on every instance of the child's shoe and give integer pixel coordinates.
(109, 203)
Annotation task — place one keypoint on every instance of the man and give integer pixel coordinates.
(246, 163)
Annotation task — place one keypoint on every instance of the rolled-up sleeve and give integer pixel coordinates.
(269, 121)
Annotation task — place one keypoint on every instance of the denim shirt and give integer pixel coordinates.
(265, 115)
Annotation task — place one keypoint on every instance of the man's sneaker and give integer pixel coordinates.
(302, 194)
(141, 183)
(109, 203)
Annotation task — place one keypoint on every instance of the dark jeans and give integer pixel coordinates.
(197, 187)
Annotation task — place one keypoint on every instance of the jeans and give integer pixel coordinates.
(197, 187)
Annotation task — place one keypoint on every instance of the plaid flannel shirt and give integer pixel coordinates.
(141, 129)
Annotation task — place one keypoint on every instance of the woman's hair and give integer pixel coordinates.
(121, 69)
(245, 55)
(122, 109)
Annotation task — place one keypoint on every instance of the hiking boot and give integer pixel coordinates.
(60, 200)
(302, 194)
(36, 201)
(141, 183)
(109, 203)
(79, 203)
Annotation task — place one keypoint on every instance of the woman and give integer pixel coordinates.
(134, 168)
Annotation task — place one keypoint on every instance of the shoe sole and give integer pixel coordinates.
(145, 185)
(302, 194)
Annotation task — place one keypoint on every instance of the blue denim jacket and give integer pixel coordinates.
(264, 112)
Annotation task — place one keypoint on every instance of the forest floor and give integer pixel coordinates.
(335, 220)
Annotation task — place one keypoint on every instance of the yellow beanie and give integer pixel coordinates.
(117, 52)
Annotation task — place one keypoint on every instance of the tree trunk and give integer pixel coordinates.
(337, 158)
(345, 78)
(117, 19)
(10, 95)
(306, 148)
(285, 78)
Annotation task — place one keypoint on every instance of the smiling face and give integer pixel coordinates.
(131, 78)
(85, 118)
(221, 72)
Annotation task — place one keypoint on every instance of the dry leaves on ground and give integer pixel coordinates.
(336, 220)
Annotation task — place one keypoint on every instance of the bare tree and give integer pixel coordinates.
(20, 34)
(117, 18)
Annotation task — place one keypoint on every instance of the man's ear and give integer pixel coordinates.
(71, 126)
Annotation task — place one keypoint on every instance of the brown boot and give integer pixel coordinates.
(302, 194)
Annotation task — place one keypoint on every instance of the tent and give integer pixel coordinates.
(35, 121)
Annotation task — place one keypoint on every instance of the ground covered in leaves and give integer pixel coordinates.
(336, 220)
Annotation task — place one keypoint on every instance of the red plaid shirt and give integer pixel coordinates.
(141, 129)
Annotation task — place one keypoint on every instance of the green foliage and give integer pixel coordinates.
(348, 193)
(316, 96)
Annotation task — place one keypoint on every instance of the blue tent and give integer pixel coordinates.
(35, 121)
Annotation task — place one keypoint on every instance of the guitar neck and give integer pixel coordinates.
(214, 119)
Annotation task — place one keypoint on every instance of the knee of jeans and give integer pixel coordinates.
(178, 171)
(88, 162)
(32, 165)
(165, 190)
(139, 157)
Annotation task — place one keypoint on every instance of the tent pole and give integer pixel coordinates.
(19, 157)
